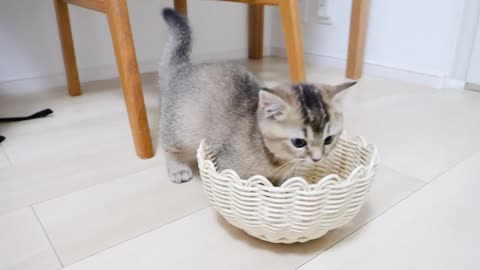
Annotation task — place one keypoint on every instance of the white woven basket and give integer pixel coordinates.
(296, 211)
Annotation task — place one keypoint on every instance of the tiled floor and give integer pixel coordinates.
(74, 195)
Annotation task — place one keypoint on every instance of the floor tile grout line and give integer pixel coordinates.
(47, 236)
(4, 150)
(425, 183)
(359, 228)
(141, 234)
(469, 156)
(431, 179)
(2, 212)
(402, 173)
(81, 189)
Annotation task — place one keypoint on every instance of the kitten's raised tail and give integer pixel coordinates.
(177, 51)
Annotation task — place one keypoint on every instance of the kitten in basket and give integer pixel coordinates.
(253, 130)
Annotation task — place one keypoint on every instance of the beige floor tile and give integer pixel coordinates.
(436, 228)
(204, 241)
(73, 140)
(40, 180)
(23, 244)
(99, 99)
(86, 222)
(80, 125)
(420, 135)
(87, 141)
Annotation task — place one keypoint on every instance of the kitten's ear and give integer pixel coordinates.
(271, 105)
(338, 91)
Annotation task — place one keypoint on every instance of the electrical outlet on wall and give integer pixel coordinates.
(317, 11)
(323, 13)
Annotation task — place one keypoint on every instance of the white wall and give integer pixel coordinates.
(408, 35)
(411, 39)
(29, 44)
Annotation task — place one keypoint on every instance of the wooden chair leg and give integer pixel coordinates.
(293, 38)
(68, 51)
(255, 31)
(356, 45)
(118, 20)
(181, 6)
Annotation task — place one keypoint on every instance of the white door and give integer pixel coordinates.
(473, 76)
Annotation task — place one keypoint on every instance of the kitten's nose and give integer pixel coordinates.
(315, 154)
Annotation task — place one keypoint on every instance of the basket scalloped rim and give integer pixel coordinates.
(295, 182)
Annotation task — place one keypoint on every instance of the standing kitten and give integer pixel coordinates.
(252, 130)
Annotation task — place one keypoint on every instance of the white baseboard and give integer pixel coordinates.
(108, 72)
(391, 72)
(58, 80)
(473, 87)
(105, 72)
(454, 84)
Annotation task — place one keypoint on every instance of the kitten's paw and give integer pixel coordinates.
(181, 176)
(178, 171)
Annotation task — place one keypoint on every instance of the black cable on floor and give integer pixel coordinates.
(39, 114)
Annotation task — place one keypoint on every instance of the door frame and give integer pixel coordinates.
(465, 41)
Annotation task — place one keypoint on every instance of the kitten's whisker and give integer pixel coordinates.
(280, 171)
(287, 173)
(285, 164)
(293, 168)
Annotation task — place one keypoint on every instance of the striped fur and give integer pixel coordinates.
(314, 109)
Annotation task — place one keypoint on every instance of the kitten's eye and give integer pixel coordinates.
(329, 140)
(299, 143)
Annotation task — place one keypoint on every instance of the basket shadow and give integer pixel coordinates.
(312, 247)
